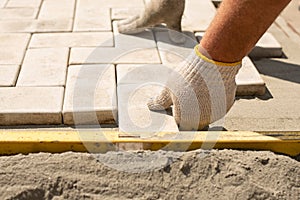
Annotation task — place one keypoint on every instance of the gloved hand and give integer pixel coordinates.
(201, 91)
(156, 12)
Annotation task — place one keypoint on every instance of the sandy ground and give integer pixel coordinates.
(224, 174)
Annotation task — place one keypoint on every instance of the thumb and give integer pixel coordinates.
(161, 102)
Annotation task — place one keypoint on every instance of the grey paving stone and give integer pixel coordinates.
(198, 15)
(44, 67)
(12, 48)
(91, 16)
(79, 39)
(134, 115)
(90, 96)
(31, 105)
(23, 3)
(84, 55)
(9, 74)
(18, 13)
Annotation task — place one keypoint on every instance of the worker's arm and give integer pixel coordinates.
(201, 89)
(238, 26)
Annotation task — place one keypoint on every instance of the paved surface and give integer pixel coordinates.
(54, 51)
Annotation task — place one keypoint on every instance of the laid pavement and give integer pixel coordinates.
(60, 61)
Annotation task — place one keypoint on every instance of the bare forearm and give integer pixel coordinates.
(237, 27)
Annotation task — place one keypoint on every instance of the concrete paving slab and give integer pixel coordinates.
(173, 53)
(11, 56)
(278, 89)
(142, 73)
(17, 40)
(57, 9)
(51, 25)
(84, 55)
(91, 16)
(197, 15)
(288, 29)
(12, 48)
(31, 26)
(288, 39)
(9, 26)
(44, 67)
(134, 115)
(9, 74)
(2, 3)
(23, 3)
(144, 39)
(31, 105)
(248, 80)
(266, 47)
(291, 15)
(136, 85)
(18, 13)
(75, 39)
(90, 96)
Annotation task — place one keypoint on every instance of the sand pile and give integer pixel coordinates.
(224, 174)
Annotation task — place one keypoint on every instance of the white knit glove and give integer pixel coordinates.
(201, 91)
(157, 12)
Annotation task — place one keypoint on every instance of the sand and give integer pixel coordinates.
(216, 174)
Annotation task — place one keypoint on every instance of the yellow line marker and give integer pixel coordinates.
(95, 141)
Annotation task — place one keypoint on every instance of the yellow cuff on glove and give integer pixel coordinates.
(214, 62)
